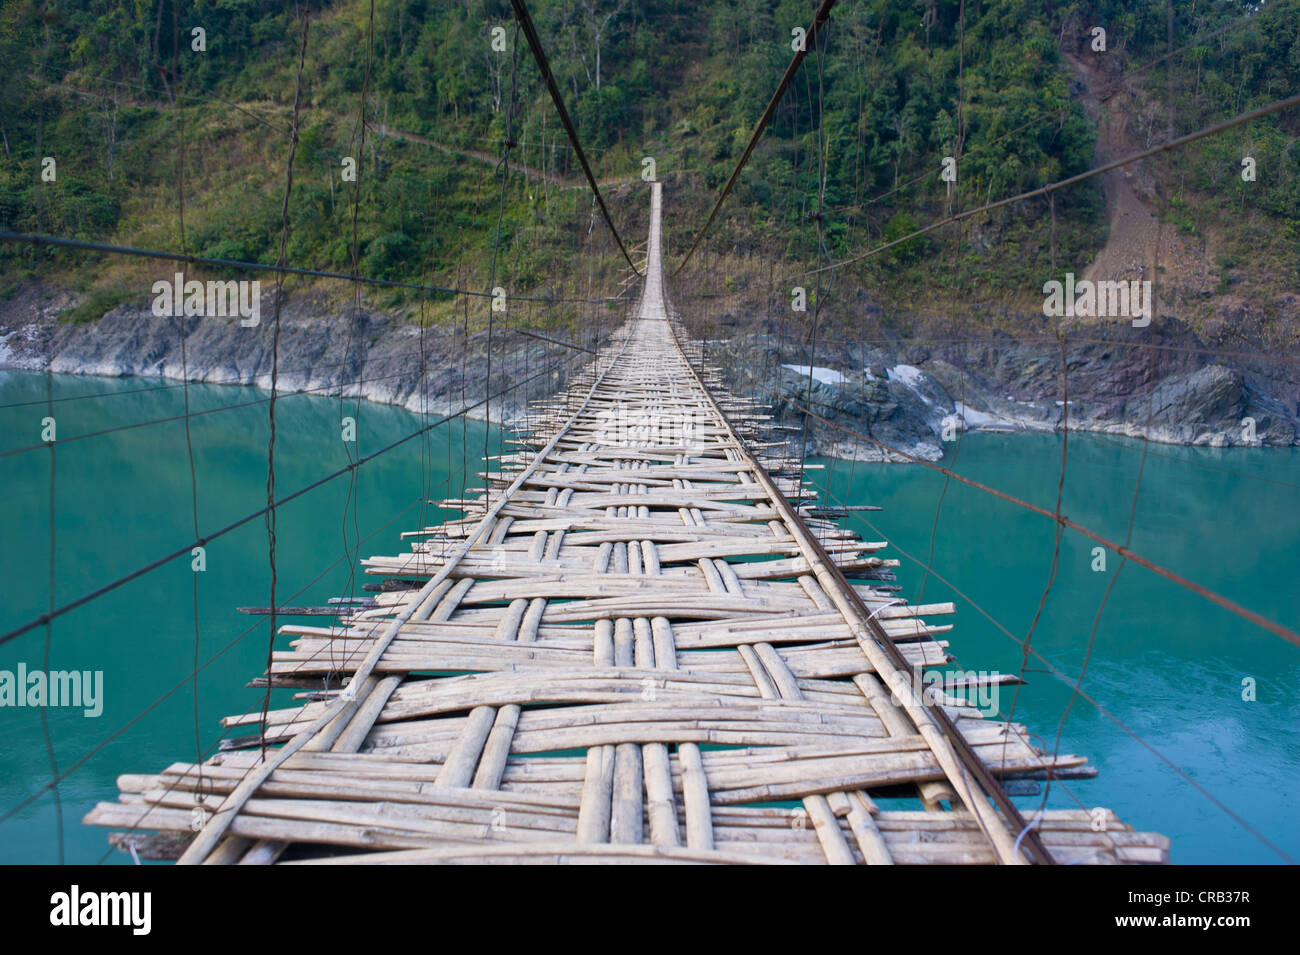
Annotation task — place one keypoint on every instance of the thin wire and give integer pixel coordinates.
(821, 243)
(350, 501)
(1054, 671)
(178, 108)
(1275, 107)
(955, 187)
(49, 627)
(271, 514)
(504, 168)
(38, 239)
(1055, 563)
(426, 449)
(1284, 632)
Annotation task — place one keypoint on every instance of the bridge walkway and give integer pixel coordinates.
(638, 644)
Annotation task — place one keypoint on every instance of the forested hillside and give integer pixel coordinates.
(141, 123)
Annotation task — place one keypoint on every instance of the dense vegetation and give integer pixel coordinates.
(115, 91)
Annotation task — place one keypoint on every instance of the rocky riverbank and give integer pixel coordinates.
(1170, 386)
(321, 349)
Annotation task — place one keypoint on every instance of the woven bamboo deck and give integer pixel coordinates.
(632, 648)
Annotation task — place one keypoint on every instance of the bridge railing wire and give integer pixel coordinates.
(103, 742)
(350, 503)
(279, 502)
(1052, 669)
(1231, 606)
(954, 202)
(180, 155)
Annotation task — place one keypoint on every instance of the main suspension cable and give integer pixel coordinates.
(539, 54)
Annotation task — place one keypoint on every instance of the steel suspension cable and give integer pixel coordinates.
(539, 54)
(810, 37)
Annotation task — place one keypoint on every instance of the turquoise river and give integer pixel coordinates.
(1190, 714)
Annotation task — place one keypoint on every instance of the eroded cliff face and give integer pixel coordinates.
(378, 356)
(910, 396)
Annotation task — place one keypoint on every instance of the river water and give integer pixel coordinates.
(1165, 675)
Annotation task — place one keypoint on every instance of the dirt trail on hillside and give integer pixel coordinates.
(531, 172)
(1130, 249)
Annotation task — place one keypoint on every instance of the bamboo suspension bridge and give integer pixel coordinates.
(644, 642)
(646, 638)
